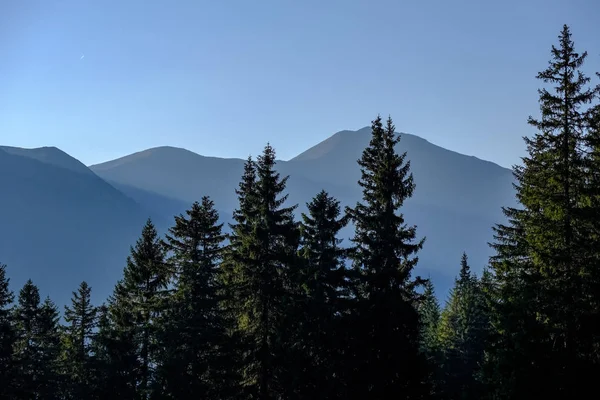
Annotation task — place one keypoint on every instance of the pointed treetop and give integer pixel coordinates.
(465, 270)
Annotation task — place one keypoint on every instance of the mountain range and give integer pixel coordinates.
(62, 222)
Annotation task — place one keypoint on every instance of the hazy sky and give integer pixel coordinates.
(101, 79)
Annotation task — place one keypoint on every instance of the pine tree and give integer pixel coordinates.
(51, 383)
(37, 348)
(7, 336)
(81, 322)
(430, 314)
(323, 280)
(385, 358)
(115, 349)
(27, 347)
(543, 337)
(195, 330)
(258, 266)
(463, 335)
(143, 291)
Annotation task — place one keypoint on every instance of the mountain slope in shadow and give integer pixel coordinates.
(61, 224)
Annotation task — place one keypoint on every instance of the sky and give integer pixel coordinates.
(103, 79)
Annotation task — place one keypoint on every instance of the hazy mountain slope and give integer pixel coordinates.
(457, 200)
(52, 156)
(59, 227)
(444, 178)
(156, 205)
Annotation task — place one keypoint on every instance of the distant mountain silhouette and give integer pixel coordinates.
(61, 224)
(457, 200)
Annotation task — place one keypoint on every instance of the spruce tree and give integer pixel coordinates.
(258, 266)
(51, 382)
(430, 313)
(7, 337)
(81, 322)
(543, 338)
(385, 360)
(195, 329)
(144, 291)
(115, 350)
(462, 335)
(37, 349)
(323, 281)
(27, 346)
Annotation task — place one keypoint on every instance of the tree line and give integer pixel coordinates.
(279, 308)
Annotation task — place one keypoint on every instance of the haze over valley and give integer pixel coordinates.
(67, 222)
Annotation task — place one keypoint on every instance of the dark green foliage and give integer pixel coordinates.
(81, 322)
(384, 356)
(37, 349)
(463, 333)
(129, 332)
(324, 289)
(116, 350)
(194, 327)
(430, 314)
(7, 336)
(258, 269)
(545, 268)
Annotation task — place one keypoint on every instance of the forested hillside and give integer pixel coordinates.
(273, 306)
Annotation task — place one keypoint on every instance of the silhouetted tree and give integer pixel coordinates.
(385, 358)
(81, 322)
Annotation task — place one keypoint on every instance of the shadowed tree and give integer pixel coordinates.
(385, 361)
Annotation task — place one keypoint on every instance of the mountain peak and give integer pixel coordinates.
(49, 155)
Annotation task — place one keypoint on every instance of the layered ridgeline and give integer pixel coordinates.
(63, 222)
(457, 199)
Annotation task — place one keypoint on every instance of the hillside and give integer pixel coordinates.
(61, 224)
(457, 200)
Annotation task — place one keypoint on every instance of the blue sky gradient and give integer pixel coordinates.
(222, 78)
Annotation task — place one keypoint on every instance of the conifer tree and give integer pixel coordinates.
(195, 329)
(81, 322)
(51, 382)
(37, 348)
(258, 267)
(27, 347)
(115, 348)
(385, 357)
(430, 313)
(462, 335)
(543, 337)
(7, 336)
(144, 285)
(323, 280)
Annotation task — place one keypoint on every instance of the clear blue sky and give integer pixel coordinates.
(223, 77)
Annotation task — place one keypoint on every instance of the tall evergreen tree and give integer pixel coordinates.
(259, 265)
(543, 255)
(144, 285)
(81, 322)
(323, 280)
(463, 335)
(37, 348)
(51, 382)
(115, 348)
(7, 337)
(386, 361)
(195, 330)
(27, 347)
(430, 314)
(127, 345)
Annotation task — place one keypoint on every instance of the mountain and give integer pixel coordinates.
(457, 200)
(61, 224)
